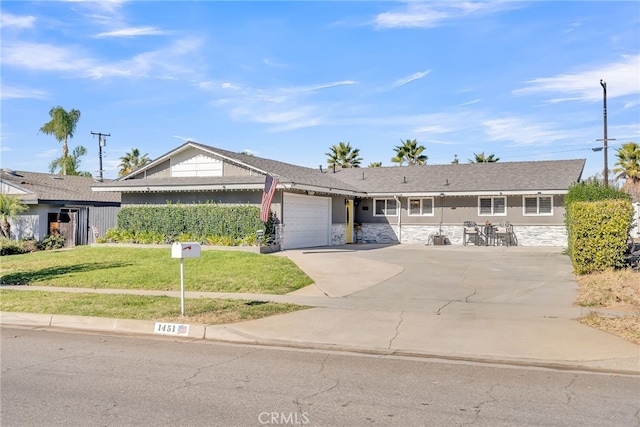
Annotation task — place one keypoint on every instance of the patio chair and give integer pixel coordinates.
(503, 233)
(471, 233)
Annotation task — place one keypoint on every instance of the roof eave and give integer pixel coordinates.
(466, 193)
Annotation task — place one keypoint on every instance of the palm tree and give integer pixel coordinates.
(375, 165)
(410, 152)
(132, 161)
(10, 206)
(628, 163)
(344, 156)
(70, 164)
(481, 158)
(62, 126)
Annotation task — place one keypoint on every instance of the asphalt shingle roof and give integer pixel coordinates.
(461, 178)
(454, 178)
(60, 188)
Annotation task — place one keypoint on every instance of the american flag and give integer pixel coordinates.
(270, 184)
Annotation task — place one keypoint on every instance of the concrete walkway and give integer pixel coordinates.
(509, 305)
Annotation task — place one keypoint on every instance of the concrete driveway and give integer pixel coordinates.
(511, 304)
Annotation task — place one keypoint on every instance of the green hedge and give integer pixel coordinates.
(202, 221)
(598, 234)
(588, 191)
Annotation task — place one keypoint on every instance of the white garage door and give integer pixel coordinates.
(307, 221)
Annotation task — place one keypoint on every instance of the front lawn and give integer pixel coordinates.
(154, 269)
(158, 308)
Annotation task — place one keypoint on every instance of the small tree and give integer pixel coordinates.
(375, 165)
(70, 164)
(10, 207)
(62, 126)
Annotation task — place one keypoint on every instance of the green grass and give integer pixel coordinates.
(157, 308)
(154, 269)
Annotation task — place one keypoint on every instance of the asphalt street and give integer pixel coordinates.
(79, 379)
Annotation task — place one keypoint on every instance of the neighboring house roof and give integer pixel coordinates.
(34, 188)
(551, 177)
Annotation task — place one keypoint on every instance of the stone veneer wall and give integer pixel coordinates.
(338, 234)
(541, 235)
(379, 233)
(527, 235)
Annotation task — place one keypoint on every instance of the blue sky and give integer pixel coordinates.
(286, 80)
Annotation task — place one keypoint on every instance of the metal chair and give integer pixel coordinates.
(503, 233)
(471, 233)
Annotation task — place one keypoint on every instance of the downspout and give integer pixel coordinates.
(399, 218)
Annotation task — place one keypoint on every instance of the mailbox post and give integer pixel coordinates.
(182, 251)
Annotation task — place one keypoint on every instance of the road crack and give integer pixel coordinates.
(397, 329)
(466, 300)
(186, 382)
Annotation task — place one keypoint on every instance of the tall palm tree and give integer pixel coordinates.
(62, 126)
(132, 161)
(70, 164)
(410, 152)
(481, 158)
(628, 163)
(344, 156)
(10, 206)
(375, 165)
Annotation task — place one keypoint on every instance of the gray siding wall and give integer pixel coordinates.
(103, 217)
(456, 210)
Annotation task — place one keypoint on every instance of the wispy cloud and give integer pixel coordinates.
(631, 104)
(312, 88)
(621, 77)
(44, 57)
(109, 6)
(182, 138)
(432, 14)
(413, 77)
(284, 108)
(133, 32)
(161, 63)
(17, 93)
(18, 21)
(464, 104)
(522, 132)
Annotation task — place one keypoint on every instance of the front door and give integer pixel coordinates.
(349, 215)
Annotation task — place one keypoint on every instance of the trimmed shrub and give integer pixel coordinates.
(599, 234)
(15, 247)
(51, 242)
(207, 223)
(590, 191)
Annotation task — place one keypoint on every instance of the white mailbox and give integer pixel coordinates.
(185, 250)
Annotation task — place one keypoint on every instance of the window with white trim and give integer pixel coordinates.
(385, 207)
(492, 206)
(421, 207)
(538, 205)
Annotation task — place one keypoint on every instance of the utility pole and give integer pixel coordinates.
(605, 140)
(102, 141)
